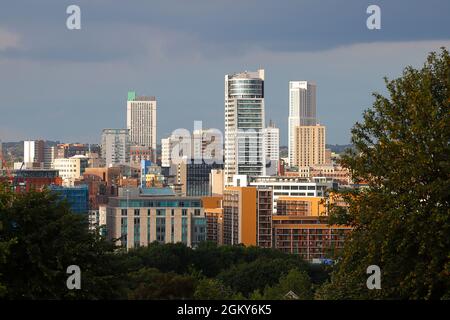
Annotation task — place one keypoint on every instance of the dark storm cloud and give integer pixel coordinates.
(213, 28)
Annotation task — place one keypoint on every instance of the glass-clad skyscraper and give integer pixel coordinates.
(244, 124)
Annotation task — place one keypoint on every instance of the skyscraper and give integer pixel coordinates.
(302, 110)
(33, 151)
(310, 146)
(244, 124)
(141, 120)
(37, 153)
(272, 148)
(115, 146)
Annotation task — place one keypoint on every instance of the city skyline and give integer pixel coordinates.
(92, 71)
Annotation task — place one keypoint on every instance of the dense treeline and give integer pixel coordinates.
(402, 219)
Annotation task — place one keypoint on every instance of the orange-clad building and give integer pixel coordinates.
(212, 207)
(247, 216)
(300, 227)
(239, 215)
(244, 215)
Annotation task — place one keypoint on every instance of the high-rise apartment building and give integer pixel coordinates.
(309, 146)
(301, 227)
(141, 120)
(247, 213)
(38, 154)
(302, 110)
(272, 149)
(33, 151)
(244, 124)
(115, 146)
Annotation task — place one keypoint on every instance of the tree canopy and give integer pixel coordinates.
(402, 219)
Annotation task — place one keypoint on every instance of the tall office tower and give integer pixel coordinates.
(244, 124)
(33, 151)
(272, 149)
(302, 110)
(115, 146)
(38, 154)
(310, 145)
(141, 120)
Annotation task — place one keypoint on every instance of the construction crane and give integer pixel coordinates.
(17, 176)
(5, 167)
(5, 172)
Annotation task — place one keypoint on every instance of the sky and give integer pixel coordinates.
(67, 85)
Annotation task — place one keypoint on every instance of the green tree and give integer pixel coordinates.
(47, 238)
(150, 283)
(247, 277)
(212, 289)
(402, 220)
(296, 281)
(4, 251)
(171, 257)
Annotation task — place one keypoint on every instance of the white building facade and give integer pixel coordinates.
(244, 124)
(71, 168)
(141, 120)
(272, 149)
(302, 110)
(293, 187)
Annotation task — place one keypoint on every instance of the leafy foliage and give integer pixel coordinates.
(44, 239)
(402, 220)
(296, 282)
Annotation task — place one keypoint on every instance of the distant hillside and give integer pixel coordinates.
(337, 148)
(13, 151)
